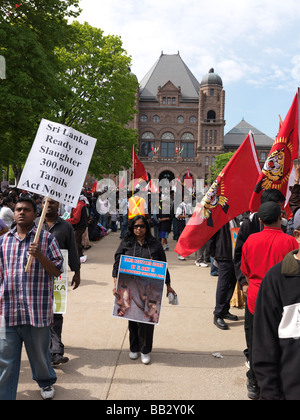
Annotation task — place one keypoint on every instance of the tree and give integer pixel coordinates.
(103, 95)
(29, 34)
(220, 163)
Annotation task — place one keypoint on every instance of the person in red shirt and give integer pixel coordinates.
(79, 221)
(261, 252)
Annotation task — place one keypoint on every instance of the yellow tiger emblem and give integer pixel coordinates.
(211, 200)
(273, 168)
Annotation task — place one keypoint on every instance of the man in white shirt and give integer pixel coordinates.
(6, 213)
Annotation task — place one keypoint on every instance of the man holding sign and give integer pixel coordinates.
(26, 301)
(30, 257)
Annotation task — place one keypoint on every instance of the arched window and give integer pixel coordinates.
(211, 115)
(187, 145)
(168, 136)
(148, 135)
(187, 136)
(147, 144)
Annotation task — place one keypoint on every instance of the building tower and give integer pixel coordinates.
(180, 121)
(211, 119)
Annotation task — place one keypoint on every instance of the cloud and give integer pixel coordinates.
(250, 40)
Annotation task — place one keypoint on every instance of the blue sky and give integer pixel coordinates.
(254, 45)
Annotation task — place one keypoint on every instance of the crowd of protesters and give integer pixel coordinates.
(264, 261)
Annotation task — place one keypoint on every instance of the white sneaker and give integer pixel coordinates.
(181, 258)
(145, 358)
(166, 247)
(47, 393)
(83, 259)
(203, 265)
(197, 264)
(133, 355)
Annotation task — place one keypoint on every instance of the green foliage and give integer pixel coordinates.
(28, 36)
(69, 73)
(220, 163)
(103, 95)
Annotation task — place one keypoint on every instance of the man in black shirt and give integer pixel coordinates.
(64, 234)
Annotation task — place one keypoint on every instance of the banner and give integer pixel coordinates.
(139, 291)
(279, 165)
(227, 198)
(61, 287)
(57, 163)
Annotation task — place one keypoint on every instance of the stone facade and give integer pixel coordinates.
(180, 123)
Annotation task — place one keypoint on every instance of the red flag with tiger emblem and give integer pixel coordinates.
(278, 168)
(227, 198)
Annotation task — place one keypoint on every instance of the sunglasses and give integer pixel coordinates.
(139, 227)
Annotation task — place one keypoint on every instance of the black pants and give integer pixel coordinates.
(225, 287)
(56, 346)
(140, 337)
(78, 237)
(250, 318)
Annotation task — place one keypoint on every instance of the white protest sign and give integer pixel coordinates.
(61, 287)
(57, 163)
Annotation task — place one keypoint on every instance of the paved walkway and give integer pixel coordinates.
(182, 365)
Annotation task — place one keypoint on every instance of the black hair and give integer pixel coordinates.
(27, 199)
(130, 235)
(269, 213)
(272, 195)
(7, 200)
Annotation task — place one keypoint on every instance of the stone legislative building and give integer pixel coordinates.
(180, 122)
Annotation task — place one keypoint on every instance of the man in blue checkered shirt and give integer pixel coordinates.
(26, 301)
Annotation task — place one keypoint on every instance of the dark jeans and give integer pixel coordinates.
(140, 337)
(36, 342)
(225, 287)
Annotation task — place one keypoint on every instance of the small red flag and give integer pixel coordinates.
(188, 175)
(227, 198)
(139, 171)
(94, 187)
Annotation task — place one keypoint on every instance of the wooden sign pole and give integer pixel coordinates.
(38, 233)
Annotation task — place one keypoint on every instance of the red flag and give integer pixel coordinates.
(188, 181)
(188, 175)
(94, 187)
(279, 164)
(227, 198)
(153, 186)
(139, 171)
(122, 182)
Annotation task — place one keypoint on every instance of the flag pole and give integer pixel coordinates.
(132, 187)
(38, 232)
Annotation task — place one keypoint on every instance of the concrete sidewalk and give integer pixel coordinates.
(182, 365)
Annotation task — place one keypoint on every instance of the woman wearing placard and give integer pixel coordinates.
(139, 242)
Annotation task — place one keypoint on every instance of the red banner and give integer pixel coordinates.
(279, 164)
(227, 198)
